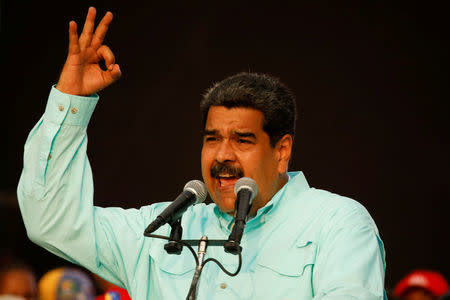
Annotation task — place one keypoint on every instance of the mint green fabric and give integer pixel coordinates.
(304, 244)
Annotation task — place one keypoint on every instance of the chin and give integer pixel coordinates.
(226, 205)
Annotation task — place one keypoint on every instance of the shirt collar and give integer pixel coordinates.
(296, 179)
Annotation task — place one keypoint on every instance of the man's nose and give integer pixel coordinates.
(225, 152)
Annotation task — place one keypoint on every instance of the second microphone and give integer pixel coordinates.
(194, 192)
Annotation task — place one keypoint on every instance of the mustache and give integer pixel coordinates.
(221, 168)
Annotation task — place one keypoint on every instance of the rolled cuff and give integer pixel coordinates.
(69, 109)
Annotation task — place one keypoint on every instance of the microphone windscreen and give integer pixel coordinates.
(198, 188)
(246, 183)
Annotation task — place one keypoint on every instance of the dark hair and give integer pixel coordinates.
(258, 91)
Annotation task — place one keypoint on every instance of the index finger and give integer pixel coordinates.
(101, 30)
(74, 47)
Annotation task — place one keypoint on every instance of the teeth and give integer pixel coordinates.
(224, 180)
(226, 175)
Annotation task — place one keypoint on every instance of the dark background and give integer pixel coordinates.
(369, 79)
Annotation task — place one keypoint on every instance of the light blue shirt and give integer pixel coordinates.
(303, 244)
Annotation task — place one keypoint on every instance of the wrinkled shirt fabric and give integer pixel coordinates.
(305, 243)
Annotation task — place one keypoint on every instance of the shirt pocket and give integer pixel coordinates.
(287, 268)
(172, 264)
(170, 274)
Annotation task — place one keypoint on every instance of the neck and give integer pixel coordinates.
(282, 180)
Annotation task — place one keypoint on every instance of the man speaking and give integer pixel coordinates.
(299, 242)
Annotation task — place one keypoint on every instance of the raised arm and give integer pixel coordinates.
(82, 74)
(55, 190)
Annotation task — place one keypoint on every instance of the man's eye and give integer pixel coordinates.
(243, 141)
(210, 139)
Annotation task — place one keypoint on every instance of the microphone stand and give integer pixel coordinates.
(198, 270)
(175, 245)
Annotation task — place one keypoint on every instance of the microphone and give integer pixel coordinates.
(194, 192)
(246, 190)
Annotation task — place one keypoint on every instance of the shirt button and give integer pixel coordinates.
(74, 110)
(49, 156)
(61, 107)
(223, 285)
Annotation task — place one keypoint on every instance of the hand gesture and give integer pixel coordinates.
(82, 74)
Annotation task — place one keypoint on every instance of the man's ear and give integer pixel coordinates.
(283, 149)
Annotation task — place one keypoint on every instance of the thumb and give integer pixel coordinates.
(115, 71)
(112, 74)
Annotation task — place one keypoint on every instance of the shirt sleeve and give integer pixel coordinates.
(350, 263)
(55, 194)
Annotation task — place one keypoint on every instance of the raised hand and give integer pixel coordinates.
(82, 74)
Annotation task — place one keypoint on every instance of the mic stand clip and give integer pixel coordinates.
(174, 246)
(232, 245)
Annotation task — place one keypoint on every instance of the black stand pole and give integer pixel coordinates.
(198, 270)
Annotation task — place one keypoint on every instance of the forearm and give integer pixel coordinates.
(55, 189)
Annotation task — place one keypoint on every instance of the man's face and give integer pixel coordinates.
(234, 146)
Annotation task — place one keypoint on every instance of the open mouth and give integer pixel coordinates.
(226, 180)
(226, 175)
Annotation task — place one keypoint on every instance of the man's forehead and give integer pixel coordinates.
(233, 119)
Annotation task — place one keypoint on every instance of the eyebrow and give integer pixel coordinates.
(243, 134)
(209, 132)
